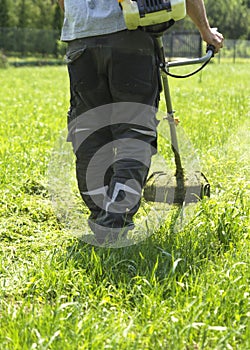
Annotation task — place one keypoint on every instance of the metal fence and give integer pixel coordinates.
(182, 44)
(25, 42)
(186, 44)
(235, 50)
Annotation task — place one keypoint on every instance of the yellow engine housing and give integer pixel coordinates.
(134, 19)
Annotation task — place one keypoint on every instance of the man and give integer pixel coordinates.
(114, 78)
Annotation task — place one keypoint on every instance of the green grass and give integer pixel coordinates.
(179, 289)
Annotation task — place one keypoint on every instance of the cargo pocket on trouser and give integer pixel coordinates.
(133, 77)
(73, 54)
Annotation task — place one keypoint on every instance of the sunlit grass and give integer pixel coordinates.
(184, 288)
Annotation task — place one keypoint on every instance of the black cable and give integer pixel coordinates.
(185, 75)
(163, 66)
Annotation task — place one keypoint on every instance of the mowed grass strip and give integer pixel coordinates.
(180, 289)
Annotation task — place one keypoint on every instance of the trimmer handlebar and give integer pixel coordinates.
(209, 54)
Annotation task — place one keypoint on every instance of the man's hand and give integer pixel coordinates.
(213, 37)
(197, 12)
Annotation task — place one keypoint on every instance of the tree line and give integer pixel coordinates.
(30, 26)
(230, 16)
(25, 21)
(39, 14)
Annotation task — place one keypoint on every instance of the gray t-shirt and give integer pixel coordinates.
(85, 18)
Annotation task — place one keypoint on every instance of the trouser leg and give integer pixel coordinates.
(89, 129)
(134, 78)
(124, 71)
(93, 178)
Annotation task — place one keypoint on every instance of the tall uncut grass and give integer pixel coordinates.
(179, 289)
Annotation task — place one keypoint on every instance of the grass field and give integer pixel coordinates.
(185, 289)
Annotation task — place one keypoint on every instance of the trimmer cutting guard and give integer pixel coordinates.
(162, 187)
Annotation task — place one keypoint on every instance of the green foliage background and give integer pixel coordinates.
(231, 16)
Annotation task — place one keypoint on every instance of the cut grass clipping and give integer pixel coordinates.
(185, 287)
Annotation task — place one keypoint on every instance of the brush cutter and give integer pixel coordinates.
(176, 188)
(156, 16)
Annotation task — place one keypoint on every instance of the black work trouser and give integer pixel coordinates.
(114, 83)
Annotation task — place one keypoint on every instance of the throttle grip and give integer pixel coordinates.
(211, 48)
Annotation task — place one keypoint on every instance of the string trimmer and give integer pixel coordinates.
(156, 16)
(162, 186)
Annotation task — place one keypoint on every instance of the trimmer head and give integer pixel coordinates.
(162, 187)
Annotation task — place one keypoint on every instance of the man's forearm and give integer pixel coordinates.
(196, 11)
(61, 4)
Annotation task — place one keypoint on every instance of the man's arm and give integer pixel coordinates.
(61, 4)
(197, 12)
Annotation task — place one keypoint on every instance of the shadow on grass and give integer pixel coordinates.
(160, 256)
